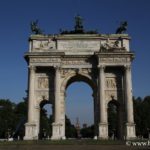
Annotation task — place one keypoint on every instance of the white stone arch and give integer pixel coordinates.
(85, 56)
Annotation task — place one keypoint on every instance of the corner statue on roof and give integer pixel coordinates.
(34, 28)
(122, 28)
(78, 23)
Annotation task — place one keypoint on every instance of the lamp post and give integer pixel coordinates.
(113, 133)
(8, 133)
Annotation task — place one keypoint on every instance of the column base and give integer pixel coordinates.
(58, 132)
(103, 131)
(130, 131)
(31, 132)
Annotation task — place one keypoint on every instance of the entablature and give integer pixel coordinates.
(115, 59)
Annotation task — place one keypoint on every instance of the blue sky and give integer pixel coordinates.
(103, 15)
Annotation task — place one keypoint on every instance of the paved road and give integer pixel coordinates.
(70, 147)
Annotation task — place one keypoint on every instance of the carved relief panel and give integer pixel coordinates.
(43, 82)
(40, 45)
(82, 71)
(113, 86)
(44, 87)
(111, 83)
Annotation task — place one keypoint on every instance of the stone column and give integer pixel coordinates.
(31, 94)
(30, 46)
(103, 125)
(57, 94)
(96, 115)
(31, 131)
(57, 125)
(130, 126)
(62, 106)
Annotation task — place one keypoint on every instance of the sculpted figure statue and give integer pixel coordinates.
(34, 28)
(78, 23)
(122, 28)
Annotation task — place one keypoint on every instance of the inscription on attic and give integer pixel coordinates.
(78, 45)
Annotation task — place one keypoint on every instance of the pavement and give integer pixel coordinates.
(71, 147)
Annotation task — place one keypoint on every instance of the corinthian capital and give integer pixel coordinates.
(101, 67)
(32, 68)
(127, 67)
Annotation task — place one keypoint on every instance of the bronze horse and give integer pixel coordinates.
(34, 28)
(123, 27)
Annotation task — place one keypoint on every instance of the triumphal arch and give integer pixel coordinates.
(101, 60)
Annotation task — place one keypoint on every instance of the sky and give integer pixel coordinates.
(53, 15)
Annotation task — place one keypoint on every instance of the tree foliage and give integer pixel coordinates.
(7, 115)
(142, 115)
(87, 132)
(12, 116)
(71, 131)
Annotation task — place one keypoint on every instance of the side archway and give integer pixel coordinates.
(113, 119)
(45, 120)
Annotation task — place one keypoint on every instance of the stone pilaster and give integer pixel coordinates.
(57, 130)
(62, 97)
(57, 94)
(31, 94)
(95, 115)
(103, 125)
(31, 131)
(130, 126)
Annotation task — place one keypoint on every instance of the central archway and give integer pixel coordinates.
(84, 81)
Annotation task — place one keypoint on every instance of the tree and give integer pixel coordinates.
(88, 132)
(138, 115)
(142, 115)
(70, 129)
(7, 121)
(20, 118)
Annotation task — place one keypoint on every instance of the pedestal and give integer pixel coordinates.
(31, 132)
(57, 131)
(130, 131)
(103, 131)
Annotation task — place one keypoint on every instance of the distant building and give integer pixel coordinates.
(84, 125)
(77, 126)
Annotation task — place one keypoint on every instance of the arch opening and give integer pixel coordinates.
(80, 78)
(80, 107)
(113, 119)
(46, 119)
